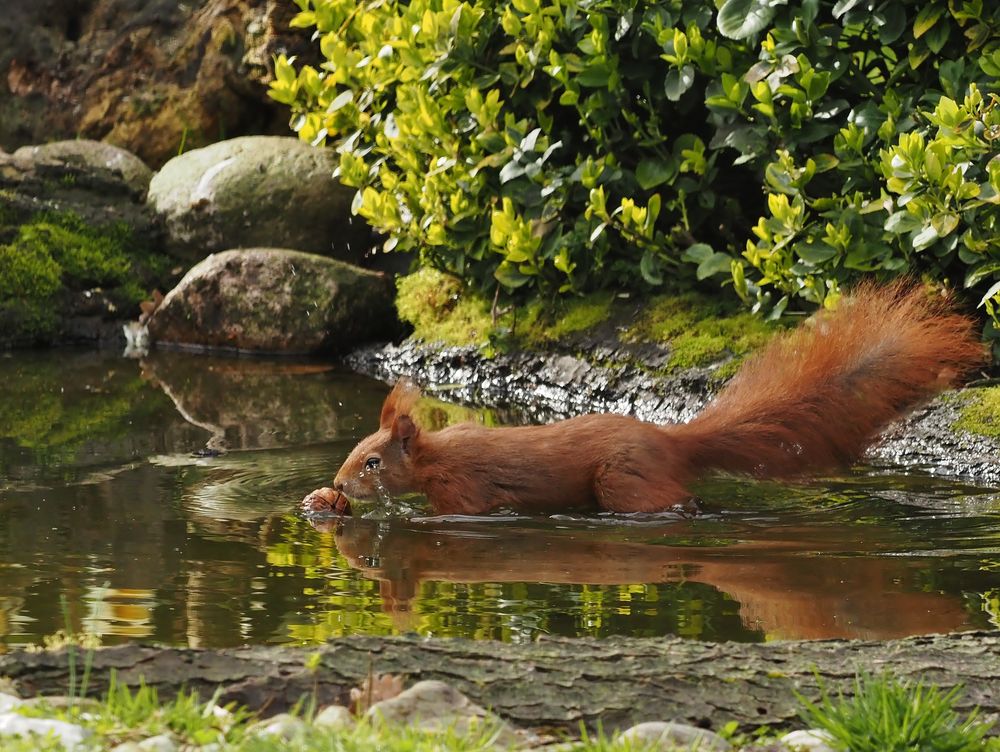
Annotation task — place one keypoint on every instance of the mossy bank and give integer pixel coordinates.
(60, 276)
(665, 334)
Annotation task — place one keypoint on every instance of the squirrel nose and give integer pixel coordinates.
(338, 485)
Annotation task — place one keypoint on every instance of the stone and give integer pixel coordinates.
(86, 223)
(9, 702)
(809, 740)
(267, 300)
(283, 726)
(94, 155)
(670, 736)
(159, 743)
(335, 717)
(257, 191)
(69, 734)
(435, 706)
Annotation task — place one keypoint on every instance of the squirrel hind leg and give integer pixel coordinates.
(625, 490)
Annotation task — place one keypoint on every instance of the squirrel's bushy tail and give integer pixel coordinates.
(816, 398)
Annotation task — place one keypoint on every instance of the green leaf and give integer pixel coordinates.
(944, 223)
(902, 222)
(595, 75)
(926, 18)
(698, 252)
(742, 19)
(842, 6)
(676, 82)
(653, 172)
(507, 274)
(717, 263)
(810, 9)
(937, 37)
(649, 268)
(925, 238)
(816, 253)
(893, 22)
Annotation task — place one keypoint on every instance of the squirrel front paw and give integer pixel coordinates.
(326, 500)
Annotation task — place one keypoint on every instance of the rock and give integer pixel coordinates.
(283, 726)
(159, 743)
(257, 191)
(670, 736)
(127, 747)
(436, 706)
(94, 155)
(154, 76)
(811, 740)
(268, 300)
(69, 734)
(335, 717)
(78, 231)
(9, 702)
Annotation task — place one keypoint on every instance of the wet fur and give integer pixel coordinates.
(811, 401)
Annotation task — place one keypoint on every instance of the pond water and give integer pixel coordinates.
(158, 500)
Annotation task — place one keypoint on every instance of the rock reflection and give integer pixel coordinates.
(814, 588)
(246, 403)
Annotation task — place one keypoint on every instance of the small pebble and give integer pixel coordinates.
(284, 726)
(69, 734)
(811, 740)
(335, 717)
(159, 743)
(669, 736)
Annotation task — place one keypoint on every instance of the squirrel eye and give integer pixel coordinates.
(372, 463)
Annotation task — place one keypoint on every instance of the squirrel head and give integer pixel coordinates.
(383, 462)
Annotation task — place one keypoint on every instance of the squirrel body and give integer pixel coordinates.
(810, 401)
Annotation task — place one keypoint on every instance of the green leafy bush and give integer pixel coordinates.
(575, 145)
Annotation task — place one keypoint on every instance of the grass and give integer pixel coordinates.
(125, 714)
(883, 714)
(891, 715)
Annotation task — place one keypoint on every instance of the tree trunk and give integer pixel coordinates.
(549, 684)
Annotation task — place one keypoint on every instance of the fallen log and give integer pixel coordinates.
(548, 684)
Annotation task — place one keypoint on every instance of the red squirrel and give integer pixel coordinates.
(810, 401)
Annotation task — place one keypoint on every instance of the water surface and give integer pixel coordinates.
(157, 500)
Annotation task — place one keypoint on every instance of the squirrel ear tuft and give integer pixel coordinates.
(400, 401)
(404, 430)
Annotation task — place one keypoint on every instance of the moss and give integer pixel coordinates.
(981, 413)
(549, 324)
(700, 330)
(53, 251)
(440, 310)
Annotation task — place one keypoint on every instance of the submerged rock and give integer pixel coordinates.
(269, 300)
(257, 191)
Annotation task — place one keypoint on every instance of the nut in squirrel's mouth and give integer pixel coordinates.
(326, 500)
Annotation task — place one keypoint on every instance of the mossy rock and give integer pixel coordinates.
(270, 300)
(667, 333)
(257, 191)
(93, 155)
(63, 280)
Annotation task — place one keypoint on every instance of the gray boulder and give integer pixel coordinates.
(269, 300)
(93, 155)
(257, 191)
